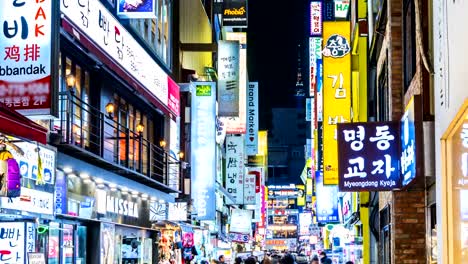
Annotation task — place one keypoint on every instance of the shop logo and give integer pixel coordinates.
(235, 11)
(121, 207)
(337, 47)
(203, 90)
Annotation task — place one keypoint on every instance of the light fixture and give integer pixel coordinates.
(162, 143)
(140, 128)
(71, 80)
(181, 155)
(124, 192)
(110, 109)
(84, 175)
(72, 175)
(135, 192)
(135, 195)
(67, 169)
(144, 195)
(161, 201)
(112, 185)
(101, 185)
(153, 199)
(87, 181)
(113, 189)
(99, 180)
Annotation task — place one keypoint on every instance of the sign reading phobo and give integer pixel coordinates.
(27, 43)
(368, 157)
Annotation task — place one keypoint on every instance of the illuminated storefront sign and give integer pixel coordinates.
(136, 9)
(241, 221)
(204, 163)
(228, 78)
(235, 167)
(315, 18)
(408, 144)
(368, 156)
(234, 13)
(251, 140)
(28, 42)
(327, 201)
(341, 8)
(16, 240)
(336, 92)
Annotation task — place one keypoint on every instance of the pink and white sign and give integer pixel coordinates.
(173, 101)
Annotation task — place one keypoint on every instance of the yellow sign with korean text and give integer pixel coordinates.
(336, 92)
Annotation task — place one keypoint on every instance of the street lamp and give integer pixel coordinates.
(181, 155)
(140, 128)
(162, 143)
(110, 109)
(71, 81)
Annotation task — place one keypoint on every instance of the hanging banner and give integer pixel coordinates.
(316, 18)
(368, 157)
(203, 134)
(135, 9)
(234, 13)
(252, 180)
(336, 92)
(235, 167)
(326, 201)
(29, 46)
(408, 143)
(237, 124)
(228, 78)
(251, 140)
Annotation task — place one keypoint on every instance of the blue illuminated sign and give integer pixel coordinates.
(408, 144)
(327, 201)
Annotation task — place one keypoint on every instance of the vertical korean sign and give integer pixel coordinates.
(228, 78)
(235, 167)
(315, 18)
(237, 124)
(204, 144)
(408, 143)
(368, 157)
(252, 185)
(28, 44)
(336, 92)
(251, 140)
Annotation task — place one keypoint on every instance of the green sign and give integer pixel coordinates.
(203, 90)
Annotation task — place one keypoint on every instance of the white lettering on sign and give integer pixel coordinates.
(351, 135)
(121, 207)
(382, 137)
(340, 92)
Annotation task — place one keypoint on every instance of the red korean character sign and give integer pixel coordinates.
(28, 41)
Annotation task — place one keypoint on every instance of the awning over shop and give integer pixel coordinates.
(14, 124)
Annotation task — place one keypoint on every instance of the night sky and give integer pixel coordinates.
(275, 29)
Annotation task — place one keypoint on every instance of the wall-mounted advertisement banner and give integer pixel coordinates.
(32, 201)
(96, 22)
(408, 143)
(203, 134)
(177, 211)
(336, 92)
(315, 53)
(251, 136)
(235, 167)
(327, 201)
(174, 149)
(252, 179)
(241, 221)
(341, 9)
(29, 162)
(29, 46)
(316, 18)
(239, 238)
(228, 78)
(368, 158)
(136, 9)
(235, 13)
(16, 240)
(237, 124)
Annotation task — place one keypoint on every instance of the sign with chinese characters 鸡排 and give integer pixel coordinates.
(316, 18)
(336, 92)
(235, 13)
(408, 143)
(251, 140)
(28, 43)
(235, 167)
(368, 157)
(96, 22)
(228, 78)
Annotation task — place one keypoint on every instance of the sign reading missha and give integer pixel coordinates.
(28, 44)
(95, 21)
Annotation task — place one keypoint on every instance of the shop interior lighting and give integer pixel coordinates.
(162, 143)
(99, 181)
(110, 108)
(67, 169)
(113, 189)
(140, 128)
(87, 181)
(101, 185)
(84, 175)
(181, 155)
(71, 80)
(112, 185)
(161, 201)
(72, 175)
(153, 199)
(144, 195)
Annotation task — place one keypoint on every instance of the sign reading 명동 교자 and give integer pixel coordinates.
(368, 157)
(28, 43)
(228, 78)
(336, 92)
(235, 167)
(235, 13)
(251, 136)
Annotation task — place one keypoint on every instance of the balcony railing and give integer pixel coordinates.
(91, 133)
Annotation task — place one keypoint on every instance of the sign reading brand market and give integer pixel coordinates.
(235, 13)
(28, 42)
(368, 157)
(251, 140)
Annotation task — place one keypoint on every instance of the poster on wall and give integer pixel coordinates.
(108, 243)
(203, 134)
(235, 167)
(228, 78)
(137, 9)
(234, 13)
(29, 46)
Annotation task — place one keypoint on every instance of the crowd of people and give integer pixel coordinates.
(286, 259)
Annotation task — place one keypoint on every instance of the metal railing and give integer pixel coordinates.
(90, 130)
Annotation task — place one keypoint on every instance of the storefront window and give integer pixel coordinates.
(81, 245)
(456, 167)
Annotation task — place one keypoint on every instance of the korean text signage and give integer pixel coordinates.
(237, 124)
(94, 20)
(368, 157)
(252, 177)
(28, 42)
(336, 92)
(327, 201)
(204, 135)
(16, 240)
(235, 13)
(408, 144)
(228, 78)
(251, 140)
(315, 18)
(235, 167)
(136, 9)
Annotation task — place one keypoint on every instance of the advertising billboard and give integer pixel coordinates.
(228, 78)
(336, 92)
(235, 13)
(203, 134)
(136, 9)
(234, 167)
(368, 158)
(29, 43)
(251, 139)
(327, 201)
(237, 124)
